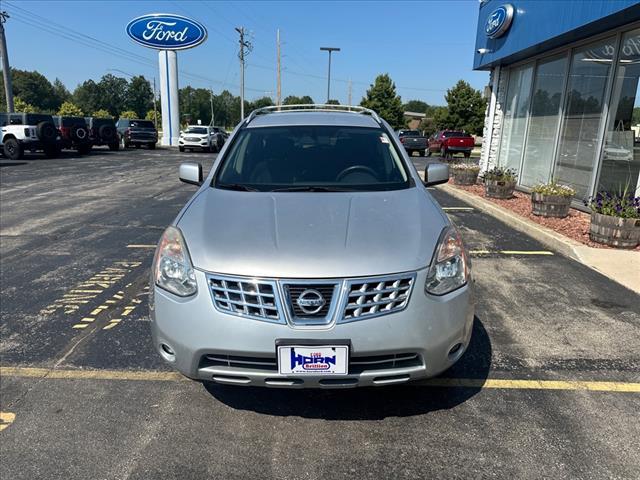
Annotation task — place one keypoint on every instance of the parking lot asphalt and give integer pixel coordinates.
(549, 387)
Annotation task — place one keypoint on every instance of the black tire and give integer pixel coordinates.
(181, 149)
(13, 149)
(107, 133)
(79, 133)
(114, 147)
(47, 132)
(443, 152)
(123, 143)
(467, 154)
(424, 153)
(152, 146)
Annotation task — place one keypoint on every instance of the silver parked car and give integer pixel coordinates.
(312, 256)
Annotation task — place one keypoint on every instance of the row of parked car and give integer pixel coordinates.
(35, 132)
(446, 143)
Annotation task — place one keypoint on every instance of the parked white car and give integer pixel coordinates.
(200, 137)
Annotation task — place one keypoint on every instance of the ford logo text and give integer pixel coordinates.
(166, 31)
(499, 21)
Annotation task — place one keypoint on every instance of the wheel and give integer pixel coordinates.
(123, 143)
(181, 149)
(115, 146)
(13, 149)
(428, 152)
(424, 152)
(152, 146)
(467, 154)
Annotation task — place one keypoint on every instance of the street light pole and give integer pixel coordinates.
(8, 89)
(329, 49)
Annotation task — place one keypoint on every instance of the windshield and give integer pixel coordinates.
(197, 130)
(141, 124)
(455, 134)
(35, 118)
(315, 158)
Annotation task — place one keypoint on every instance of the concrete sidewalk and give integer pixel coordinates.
(622, 266)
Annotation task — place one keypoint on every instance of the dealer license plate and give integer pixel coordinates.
(301, 360)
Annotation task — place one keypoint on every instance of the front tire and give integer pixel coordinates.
(428, 152)
(13, 149)
(443, 152)
(114, 147)
(181, 149)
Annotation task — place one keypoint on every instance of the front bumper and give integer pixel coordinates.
(190, 144)
(428, 329)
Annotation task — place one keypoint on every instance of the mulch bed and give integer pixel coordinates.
(574, 226)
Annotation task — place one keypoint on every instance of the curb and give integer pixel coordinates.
(544, 235)
(563, 245)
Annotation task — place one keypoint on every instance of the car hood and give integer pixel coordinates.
(311, 235)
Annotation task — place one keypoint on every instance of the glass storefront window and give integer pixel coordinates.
(576, 157)
(621, 151)
(515, 117)
(543, 123)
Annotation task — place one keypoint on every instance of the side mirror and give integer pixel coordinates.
(191, 173)
(435, 174)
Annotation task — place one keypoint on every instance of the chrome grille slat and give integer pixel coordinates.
(373, 297)
(255, 299)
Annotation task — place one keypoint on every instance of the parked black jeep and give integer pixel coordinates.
(102, 131)
(74, 133)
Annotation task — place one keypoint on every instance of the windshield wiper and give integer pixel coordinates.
(312, 188)
(237, 186)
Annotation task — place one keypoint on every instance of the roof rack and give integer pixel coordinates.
(313, 107)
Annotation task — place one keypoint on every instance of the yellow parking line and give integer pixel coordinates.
(80, 325)
(513, 384)
(6, 419)
(135, 245)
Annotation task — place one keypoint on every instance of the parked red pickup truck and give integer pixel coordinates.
(449, 142)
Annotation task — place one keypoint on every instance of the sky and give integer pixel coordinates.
(425, 46)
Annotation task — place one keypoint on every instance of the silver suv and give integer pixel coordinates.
(312, 256)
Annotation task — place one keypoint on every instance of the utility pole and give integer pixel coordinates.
(329, 49)
(279, 86)
(349, 101)
(6, 73)
(245, 48)
(212, 124)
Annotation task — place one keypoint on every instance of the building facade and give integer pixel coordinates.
(564, 91)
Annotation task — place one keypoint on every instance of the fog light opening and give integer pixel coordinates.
(456, 351)
(167, 352)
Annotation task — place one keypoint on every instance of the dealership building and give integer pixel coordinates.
(564, 102)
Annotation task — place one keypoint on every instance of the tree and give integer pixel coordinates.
(466, 108)
(88, 97)
(22, 106)
(261, 103)
(151, 115)
(102, 114)
(60, 91)
(113, 92)
(333, 102)
(417, 106)
(34, 89)
(139, 95)
(382, 98)
(128, 114)
(293, 100)
(68, 109)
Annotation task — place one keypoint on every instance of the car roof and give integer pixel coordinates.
(303, 118)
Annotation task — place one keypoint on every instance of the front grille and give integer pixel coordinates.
(357, 364)
(294, 291)
(193, 139)
(246, 298)
(280, 301)
(373, 297)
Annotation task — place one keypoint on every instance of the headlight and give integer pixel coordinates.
(449, 268)
(172, 266)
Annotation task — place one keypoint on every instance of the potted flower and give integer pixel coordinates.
(615, 219)
(464, 173)
(499, 182)
(551, 199)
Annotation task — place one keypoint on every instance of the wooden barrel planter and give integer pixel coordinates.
(465, 177)
(499, 189)
(615, 231)
(550, 205)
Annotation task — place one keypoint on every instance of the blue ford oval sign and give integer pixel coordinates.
(499, 21)
(165, 31)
